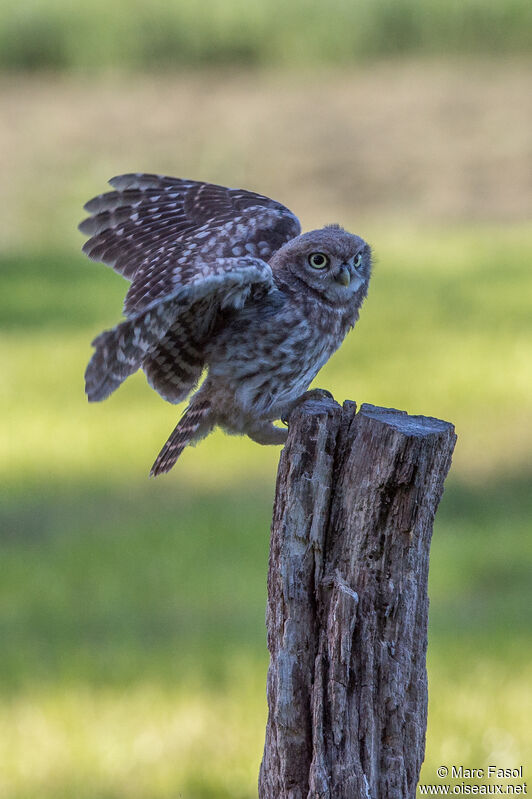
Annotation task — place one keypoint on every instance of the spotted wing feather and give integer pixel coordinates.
(155, 230)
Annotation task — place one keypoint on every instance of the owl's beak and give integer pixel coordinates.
(344, 276)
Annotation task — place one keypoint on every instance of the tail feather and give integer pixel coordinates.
(194, 425)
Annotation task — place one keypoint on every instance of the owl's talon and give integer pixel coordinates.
(317, 393)
(314, 393)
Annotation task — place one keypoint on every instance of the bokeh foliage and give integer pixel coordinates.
(137, 34)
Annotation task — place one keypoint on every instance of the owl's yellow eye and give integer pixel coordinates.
(318, 260)
(357, 260)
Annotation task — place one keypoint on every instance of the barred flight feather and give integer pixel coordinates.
(121, 351)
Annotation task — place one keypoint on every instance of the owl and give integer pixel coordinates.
(222, 283)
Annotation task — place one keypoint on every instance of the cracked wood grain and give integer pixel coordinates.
(347, 607)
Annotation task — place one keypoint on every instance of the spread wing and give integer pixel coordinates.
(190, 250)
(162, 232)
(166, 338)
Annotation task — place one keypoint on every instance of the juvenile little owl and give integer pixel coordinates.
(222, 280)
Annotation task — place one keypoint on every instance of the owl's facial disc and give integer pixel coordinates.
(336, 270)
(349, 274)
(330, 261)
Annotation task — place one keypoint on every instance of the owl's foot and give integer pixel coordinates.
(314, 393)
(267, 433)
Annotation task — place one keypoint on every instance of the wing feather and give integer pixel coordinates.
(189, 311)
(149, 222)
(175, 366)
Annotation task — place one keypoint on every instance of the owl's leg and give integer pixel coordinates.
(314, 393)
(266, 433)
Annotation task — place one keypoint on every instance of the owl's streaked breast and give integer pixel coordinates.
(268, 356)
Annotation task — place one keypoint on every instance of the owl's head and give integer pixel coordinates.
(332, 262)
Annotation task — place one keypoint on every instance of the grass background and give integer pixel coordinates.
(59, 34)
(132, 610)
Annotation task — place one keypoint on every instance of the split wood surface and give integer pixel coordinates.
(347, 601)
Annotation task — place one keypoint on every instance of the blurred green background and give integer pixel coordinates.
(132, 610)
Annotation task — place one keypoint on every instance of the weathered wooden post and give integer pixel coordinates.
(347, 602)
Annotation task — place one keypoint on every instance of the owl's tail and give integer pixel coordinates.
(195, 424)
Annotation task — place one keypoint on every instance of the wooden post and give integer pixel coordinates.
(347, 602)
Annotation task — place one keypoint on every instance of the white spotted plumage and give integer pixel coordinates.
(221, 279)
